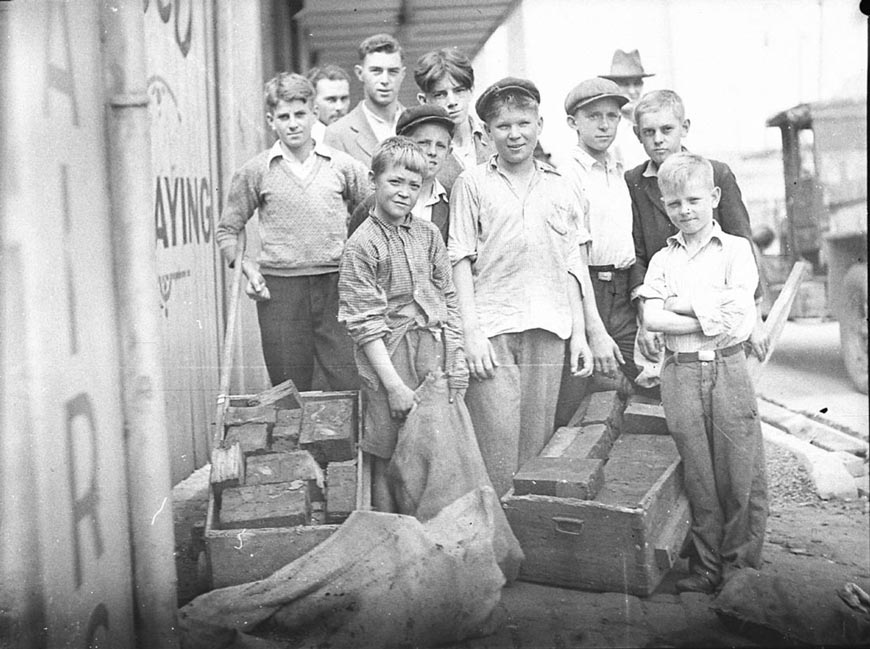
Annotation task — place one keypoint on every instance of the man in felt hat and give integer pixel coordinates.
(518, 269)
(626, 70)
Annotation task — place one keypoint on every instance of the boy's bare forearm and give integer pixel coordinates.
(377, 355)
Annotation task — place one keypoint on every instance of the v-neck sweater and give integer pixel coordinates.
(302, 221)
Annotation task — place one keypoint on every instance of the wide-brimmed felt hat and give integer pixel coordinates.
(591, 90)
(504, 85)
(422, 114)
(626, 65)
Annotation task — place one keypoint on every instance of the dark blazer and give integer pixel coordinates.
(353, 135)
(651, 226)
(451, 167)
(440, 212)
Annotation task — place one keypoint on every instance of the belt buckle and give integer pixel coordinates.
(605, 275)
(707, 355)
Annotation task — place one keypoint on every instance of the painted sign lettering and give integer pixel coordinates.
(182, 211)
(172, 11)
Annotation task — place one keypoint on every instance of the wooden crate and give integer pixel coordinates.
(238, 556)
(623, 541)
(628, 536)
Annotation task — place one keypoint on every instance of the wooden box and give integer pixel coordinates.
(623, 541)
(238, 556)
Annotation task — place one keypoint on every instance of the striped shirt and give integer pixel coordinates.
(719, 279)
(393, 278)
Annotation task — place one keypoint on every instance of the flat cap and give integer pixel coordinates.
(507, 84)
(591, 90)
(416, 115)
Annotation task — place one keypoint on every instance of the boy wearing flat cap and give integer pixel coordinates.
(517, 268)
(431, 128)
(593, 112)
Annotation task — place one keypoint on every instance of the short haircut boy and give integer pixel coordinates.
(682, 168)
(380, 43)
(398, 150)
(378, 274)
(517, 267)
(657, 100)
(434, 66)
(701, 299)
(303, 229)
(329, 71)
(287, 86)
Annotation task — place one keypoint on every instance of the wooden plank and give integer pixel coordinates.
(328, 429)
(243, 555)
(250, 437)
(643, 417)
(227, 465)
(341, 490)
(267, 505)
(281, 467)
(283, 395)
(778, 316)
(562, 477)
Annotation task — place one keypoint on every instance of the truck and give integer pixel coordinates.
(824, 154)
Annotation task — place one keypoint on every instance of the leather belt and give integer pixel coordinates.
(605, 273)
(704, 355)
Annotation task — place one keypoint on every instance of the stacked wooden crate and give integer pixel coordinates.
(286, 473)
(602, 507)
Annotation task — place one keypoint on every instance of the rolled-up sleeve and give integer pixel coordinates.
(721, 309)
(464, 207)
(362, 304)
(654, 285)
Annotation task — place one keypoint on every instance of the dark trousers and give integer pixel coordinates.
(299, 326)
(618, 315)
(712, 414)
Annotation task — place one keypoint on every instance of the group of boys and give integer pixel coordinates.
(420, 240)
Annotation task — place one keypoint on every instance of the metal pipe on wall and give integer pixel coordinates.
(147, 444)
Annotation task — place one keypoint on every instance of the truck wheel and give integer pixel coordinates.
(853, 325)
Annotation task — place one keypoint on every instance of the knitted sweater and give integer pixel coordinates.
(302, 221)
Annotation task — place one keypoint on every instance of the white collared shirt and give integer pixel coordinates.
(467, 153)
(718, 278)
(318, 132)
(423, 207)
(299, 169)
(608, 207)
(381, 127)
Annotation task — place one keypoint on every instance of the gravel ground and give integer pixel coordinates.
(787, 479)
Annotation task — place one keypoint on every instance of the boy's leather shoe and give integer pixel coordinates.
(697, 583)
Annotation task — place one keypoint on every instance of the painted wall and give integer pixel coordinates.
(65, 573)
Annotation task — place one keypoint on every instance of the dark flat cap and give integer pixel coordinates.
(416, 115)
(507, 84)
(591, 90)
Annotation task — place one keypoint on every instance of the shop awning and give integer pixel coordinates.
(331, 30)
